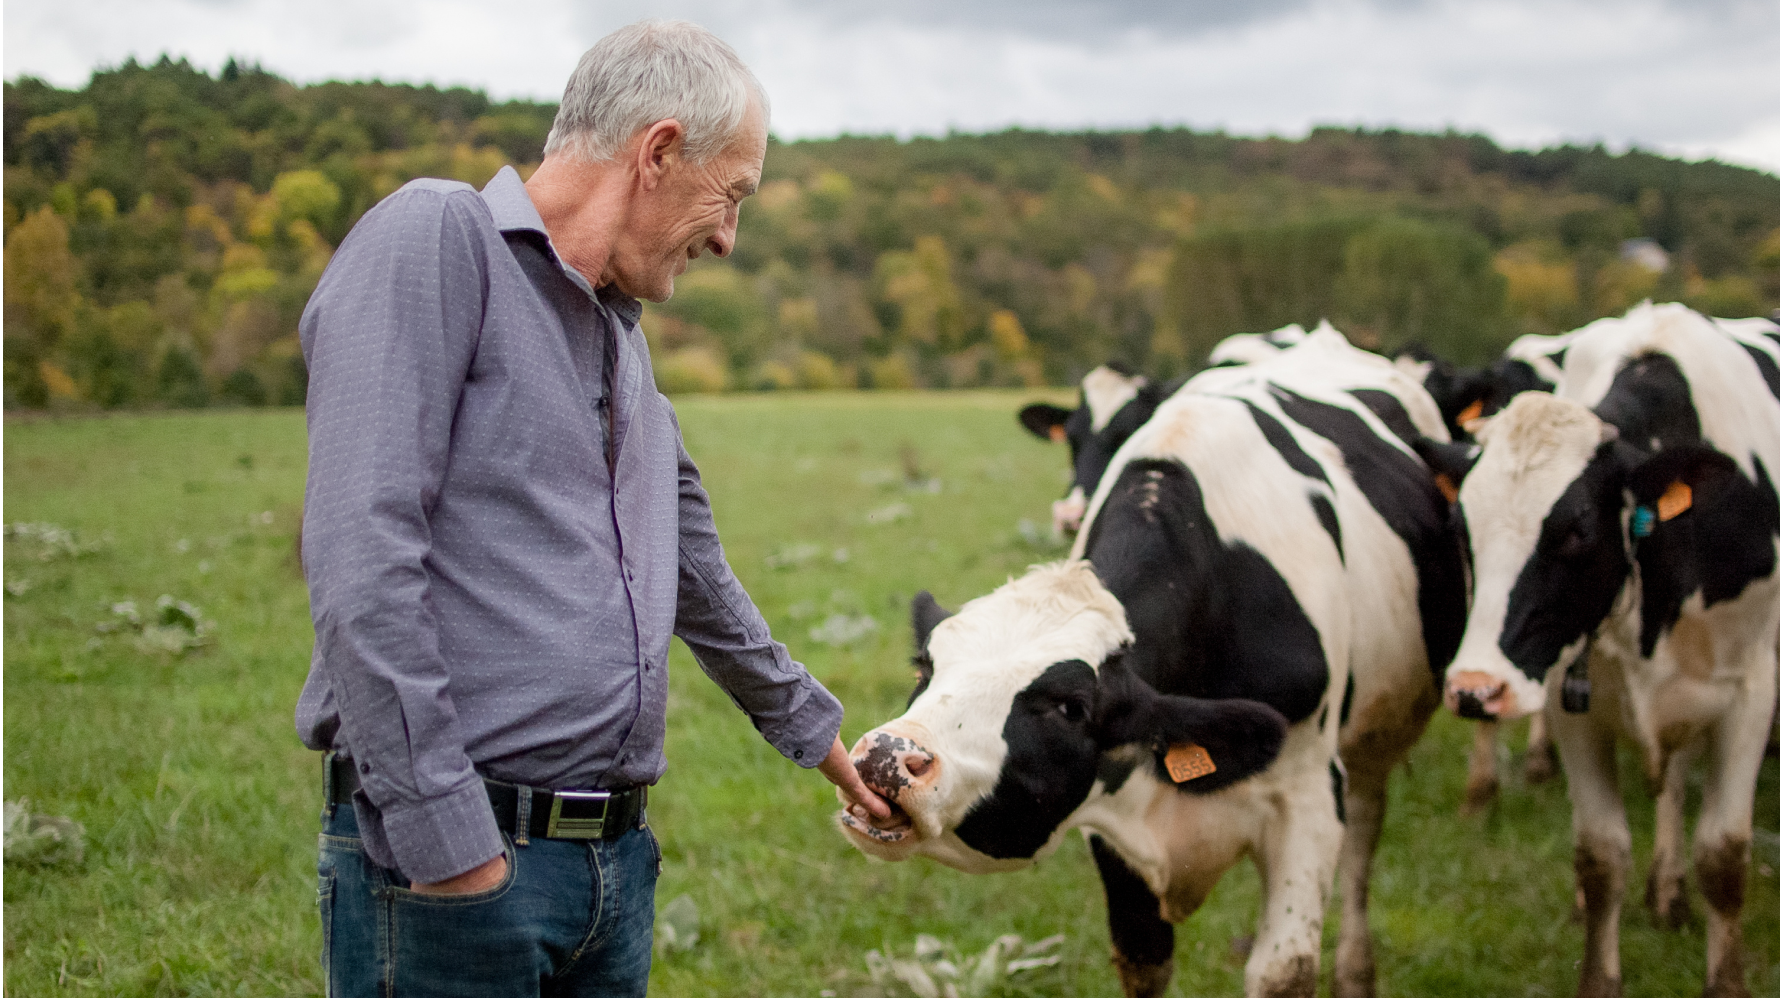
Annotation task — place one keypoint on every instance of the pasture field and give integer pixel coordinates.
(200, 804)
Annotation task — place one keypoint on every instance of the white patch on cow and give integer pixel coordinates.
(1253, 348)
(1106, 392)
(1417, 369)
(1538, 351)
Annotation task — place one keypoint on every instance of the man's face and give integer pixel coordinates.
(692, 209)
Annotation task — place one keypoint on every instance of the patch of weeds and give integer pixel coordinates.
(49, 542)
(42, 839)
(676, 928)
(840, 629)
(18, 586)
(793, 556)
(939, 970)
(890, 514)
(1030, 535)
(174, 628)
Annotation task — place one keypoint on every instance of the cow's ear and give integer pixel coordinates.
(1201, 745)
(925, 613)
(1663, 484)
(1045, 421)
(1450, 463)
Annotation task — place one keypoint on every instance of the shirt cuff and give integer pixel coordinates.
(439, 838)
(805, 734)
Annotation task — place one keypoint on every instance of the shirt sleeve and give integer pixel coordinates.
(730, 639)
(389, 336)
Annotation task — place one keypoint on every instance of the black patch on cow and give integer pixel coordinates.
(1062, 724)
(925, 613)
(1389, 410)
(1568, 585)
(1338, 783)
(1114, 770)
(1347, 700)
(1717, 548)
(1558, 359)
(1134, 914)
(1210, 619)
(1651, 404)
(1325, 514)
(1281, 440)
(1400, 488)
(1050, 765)
(1769, 372)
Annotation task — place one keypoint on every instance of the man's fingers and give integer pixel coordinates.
(841, 772)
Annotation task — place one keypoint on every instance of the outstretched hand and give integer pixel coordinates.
(838, 768)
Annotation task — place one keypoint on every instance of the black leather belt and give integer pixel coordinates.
(551, 814)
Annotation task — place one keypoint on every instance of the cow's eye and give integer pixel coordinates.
(1072, 710)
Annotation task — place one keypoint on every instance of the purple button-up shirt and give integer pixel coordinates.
(502, 530)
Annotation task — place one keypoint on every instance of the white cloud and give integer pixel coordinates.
(1695, 79)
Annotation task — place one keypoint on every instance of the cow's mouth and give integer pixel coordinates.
(897, 828)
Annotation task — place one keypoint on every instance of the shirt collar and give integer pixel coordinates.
(513, 211)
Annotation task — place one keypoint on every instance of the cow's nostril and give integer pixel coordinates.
(918, 765)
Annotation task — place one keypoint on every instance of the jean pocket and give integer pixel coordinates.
(655, 845)
(409, 896)
(324, 901)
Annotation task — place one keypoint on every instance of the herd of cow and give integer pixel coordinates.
(1282, 567)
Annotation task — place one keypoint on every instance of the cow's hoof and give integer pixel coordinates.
(1143, 980)
(1295, 979)
(1542, 763)
(1666, 897)
(1356, 982)
(1478, 794)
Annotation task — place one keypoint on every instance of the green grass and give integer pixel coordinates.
(200, 804)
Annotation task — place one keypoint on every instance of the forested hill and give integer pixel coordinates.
(164, 228)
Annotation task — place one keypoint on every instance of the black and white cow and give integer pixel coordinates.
(1116, 401)
(1623, 536)
(1265, 558)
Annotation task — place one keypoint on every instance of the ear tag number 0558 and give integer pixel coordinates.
(1188, 762)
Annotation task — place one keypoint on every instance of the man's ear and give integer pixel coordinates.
(1045, 421)
(1450, 463)
(1223, 741)
(1664, 483)
(661, 145)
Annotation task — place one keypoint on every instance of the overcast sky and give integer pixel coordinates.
(1691, 77)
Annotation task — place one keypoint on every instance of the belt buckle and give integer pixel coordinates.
(585, 817)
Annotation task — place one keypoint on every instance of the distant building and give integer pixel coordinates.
(1645, 253)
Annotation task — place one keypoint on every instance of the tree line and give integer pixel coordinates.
(165, 226)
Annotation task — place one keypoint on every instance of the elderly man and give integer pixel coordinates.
(502, 531)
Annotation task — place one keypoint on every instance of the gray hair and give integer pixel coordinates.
(645, 73)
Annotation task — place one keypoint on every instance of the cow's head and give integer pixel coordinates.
(1023, 701)
(1115, 403)
(1551, 506)
(1469, 396)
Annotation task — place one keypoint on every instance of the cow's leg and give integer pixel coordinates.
(1721, 838)
(1355, 973)
(1541, 755)
(1481, 781)
(1297, 860)
(1603, 844)
(1665, 892)
(1143, 943)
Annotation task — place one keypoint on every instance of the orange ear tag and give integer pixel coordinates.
(1188, 762)
(1676, 500)
(1470, 412)
(1443, 482)
(1057, 434)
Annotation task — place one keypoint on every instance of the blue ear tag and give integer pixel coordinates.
(1643, 521)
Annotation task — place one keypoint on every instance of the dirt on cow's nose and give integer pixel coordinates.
(892, 764)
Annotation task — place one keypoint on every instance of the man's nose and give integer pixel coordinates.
(723, 240)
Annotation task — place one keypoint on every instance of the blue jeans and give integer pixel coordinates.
(572, 918)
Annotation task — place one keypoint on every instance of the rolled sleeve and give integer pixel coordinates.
(389, 336)
(730, 639)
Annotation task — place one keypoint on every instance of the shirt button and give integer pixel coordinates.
(798, 754)
(364, 767)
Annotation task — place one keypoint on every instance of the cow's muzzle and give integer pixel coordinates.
(1479, 696)
(894, 767)
(1067, 512)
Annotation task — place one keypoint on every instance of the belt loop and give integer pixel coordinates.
(522, 822)
(327, 785)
